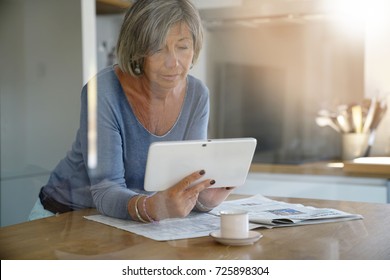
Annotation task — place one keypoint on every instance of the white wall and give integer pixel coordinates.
(107, 27)
(377, 66)
(41, 79)
(41, 82)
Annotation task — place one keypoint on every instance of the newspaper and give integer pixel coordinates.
(262, 212)
(194, 225)
(272, 213)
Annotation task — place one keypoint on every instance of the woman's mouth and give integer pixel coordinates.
(170, 77)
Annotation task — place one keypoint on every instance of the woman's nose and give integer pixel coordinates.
(171, 59)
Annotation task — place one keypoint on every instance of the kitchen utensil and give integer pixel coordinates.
(380, 112)
(378, 115)
(326, 113)
(343, 123)
(370, 116)
(357, 118)
(370, 143)
(327, 121)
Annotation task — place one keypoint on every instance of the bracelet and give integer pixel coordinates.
(202, 207)
(146, 212)
(136, 209)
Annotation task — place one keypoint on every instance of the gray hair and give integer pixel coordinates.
(145, 28)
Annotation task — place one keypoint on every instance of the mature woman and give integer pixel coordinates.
(149, 96)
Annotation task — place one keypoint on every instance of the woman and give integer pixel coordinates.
(147, 97)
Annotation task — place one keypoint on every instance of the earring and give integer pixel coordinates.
(137, 69)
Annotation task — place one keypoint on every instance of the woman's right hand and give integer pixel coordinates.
(178, 200)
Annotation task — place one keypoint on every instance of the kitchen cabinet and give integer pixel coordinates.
(375, 190)
(111, 6)
(318, 180)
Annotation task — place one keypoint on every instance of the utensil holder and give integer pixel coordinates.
(354, 145)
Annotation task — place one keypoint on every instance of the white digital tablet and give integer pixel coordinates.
(227, 161)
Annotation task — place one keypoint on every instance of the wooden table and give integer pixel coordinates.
(70, 236)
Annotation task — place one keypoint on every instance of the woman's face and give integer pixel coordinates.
(169, 66)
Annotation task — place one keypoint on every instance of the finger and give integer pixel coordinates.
(196, 189)
(188, 180)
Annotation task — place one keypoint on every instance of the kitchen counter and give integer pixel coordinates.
(336, 168)
(351, 181)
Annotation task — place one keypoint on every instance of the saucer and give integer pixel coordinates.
(253, 236)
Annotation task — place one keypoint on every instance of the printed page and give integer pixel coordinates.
(194, 225)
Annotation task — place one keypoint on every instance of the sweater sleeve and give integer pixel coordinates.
(108, 187)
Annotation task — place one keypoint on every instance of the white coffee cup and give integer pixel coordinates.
(234, 223)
